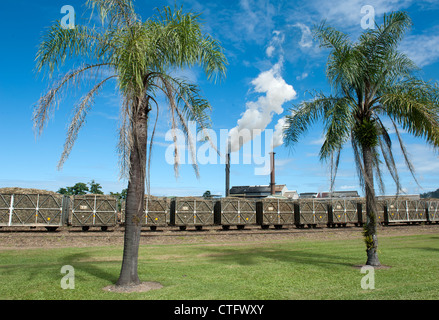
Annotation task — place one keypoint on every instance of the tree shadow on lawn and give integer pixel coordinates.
(86, 263)
(434, 250)
(252, 256)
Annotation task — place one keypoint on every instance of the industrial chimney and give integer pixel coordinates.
(272, 174)
(227, 174)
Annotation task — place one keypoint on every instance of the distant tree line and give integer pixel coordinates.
(82, 188)
(120, 196)
(431, 194)
(92, 187)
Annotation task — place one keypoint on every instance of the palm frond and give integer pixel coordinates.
(80, 113)
(344, 62)
(338, 121)
(180, 42)
(331, 38)
(151, 143)
(125, 137)
(334, 167)
(358, 156)
(376, 162)
(175, 91)
(414, 104)
(385, 144)
(405, 153)
(117, 12)
(47, 104)
(376, 43)
(304, 115)
(58, 44)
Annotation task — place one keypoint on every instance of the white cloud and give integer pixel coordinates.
(424, 159)
(348, 13)
(422, 49)
(425, 162)
(318, 142)
(252, 21)
(390, 128)
(275, 44)
(304, 75)
(105, 115)
(306, 40)
(348, 187)
(269, 51)
(278, 135)
(187, 74)
(283, 162)
(312, 154)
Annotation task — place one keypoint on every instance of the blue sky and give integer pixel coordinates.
(273, 62)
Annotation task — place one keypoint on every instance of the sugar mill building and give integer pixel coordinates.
(263, 191)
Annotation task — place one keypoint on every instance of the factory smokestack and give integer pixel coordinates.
(272, 174)
(227, 174)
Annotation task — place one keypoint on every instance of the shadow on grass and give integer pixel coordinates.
(254, 256)
(84, 262)
(107, 269)
(435, 250)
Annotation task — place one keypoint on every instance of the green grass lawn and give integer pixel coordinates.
(299, 269)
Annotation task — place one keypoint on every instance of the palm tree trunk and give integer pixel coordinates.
(370, 228)
(134, 201)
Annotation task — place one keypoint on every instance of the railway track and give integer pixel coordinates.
(11, 238)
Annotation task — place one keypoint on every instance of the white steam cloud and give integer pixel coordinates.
(259, 114)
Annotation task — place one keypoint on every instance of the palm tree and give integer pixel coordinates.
(140, 56)
(370, 80)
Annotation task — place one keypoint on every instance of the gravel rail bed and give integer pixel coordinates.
(26, 238)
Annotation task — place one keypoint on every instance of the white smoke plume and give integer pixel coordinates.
(259, 114)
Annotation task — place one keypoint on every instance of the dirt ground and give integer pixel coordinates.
(26, 238)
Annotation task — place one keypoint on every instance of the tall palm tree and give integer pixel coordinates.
(140, 57)
(370, 80)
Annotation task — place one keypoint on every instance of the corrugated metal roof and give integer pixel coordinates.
(255, 189)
